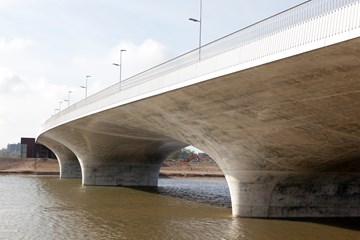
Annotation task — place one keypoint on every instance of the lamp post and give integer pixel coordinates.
(60, 106)
(200, 22)
(119, 65)
(86, 86)
(68, 100)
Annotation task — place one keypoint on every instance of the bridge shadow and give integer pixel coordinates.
(351, 223)
(212, 193)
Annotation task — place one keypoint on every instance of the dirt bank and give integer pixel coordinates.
(190, 169)
(45, 166)
(36, 166)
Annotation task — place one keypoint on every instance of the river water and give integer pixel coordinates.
(51, 208)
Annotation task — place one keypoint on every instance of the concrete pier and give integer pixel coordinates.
(68, 162)
(121, 175)
(295, 194)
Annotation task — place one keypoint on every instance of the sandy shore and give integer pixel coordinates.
(44, 166)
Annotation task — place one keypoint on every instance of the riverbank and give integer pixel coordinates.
(30, 166)
(46, 166)
(190, 169)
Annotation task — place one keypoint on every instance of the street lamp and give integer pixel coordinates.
(60, 106)
(119, 65)
(198, 21)
(86, 86)
(68, 100)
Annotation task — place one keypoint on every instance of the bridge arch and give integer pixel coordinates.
(270, 140)
(68, 162)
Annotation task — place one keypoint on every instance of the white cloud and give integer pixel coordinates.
(16, 44)
(12, 7)
(3, 122)
(25, 105)
(136, 59)
(6, 4)
(9, 83)
(28, 100)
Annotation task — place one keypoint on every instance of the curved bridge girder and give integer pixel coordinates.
(111, 154)
(280, 131)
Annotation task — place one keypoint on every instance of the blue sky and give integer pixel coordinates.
(47, 47)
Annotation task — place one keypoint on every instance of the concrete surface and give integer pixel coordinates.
(68, 162)
(286, 135)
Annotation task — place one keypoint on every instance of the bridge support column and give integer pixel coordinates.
(68, 162)
(121, 174)
(69, 168)
(294, 194)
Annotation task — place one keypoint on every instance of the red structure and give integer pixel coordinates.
(30, 149)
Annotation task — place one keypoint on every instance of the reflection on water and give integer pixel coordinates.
(50, 208)
(209, 191)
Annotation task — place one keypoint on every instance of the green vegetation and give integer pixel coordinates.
(181, 154)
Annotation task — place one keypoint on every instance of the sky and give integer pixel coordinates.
(48, 47)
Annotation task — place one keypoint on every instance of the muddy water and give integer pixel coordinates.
(50, 208)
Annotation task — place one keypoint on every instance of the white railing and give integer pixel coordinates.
(307, 23)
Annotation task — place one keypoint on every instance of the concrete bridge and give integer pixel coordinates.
(276, 105)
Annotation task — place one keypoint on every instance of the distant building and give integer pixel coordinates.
(13, 150)
(30, 149)
(15, 147)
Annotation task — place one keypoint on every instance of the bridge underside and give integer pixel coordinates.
(286, 135)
